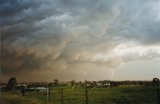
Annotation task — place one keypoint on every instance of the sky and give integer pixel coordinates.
(80, 39)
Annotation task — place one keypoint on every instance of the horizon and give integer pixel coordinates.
(43, 40)
(83, 81)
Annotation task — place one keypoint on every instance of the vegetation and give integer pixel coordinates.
(116, 95)
(100, 92)
(11, 84)
(16, 99)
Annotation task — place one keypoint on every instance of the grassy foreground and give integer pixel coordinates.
(16, 99)
(117, 95)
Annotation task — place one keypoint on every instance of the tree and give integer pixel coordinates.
(155, 82)
(55, 81)
(72, 83)
(11, 84)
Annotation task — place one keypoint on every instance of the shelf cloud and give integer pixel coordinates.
(66, 37)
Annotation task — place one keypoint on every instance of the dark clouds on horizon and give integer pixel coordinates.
(64, 36)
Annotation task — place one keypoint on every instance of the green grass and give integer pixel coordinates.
(16, 99)
(117, 95)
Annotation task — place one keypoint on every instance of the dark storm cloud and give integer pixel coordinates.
(19, 16)
(56, 35)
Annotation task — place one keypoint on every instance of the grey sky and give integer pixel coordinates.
(79, 39)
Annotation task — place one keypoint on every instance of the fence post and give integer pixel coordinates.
(62, 96)
(49, 94)
(86, 94)
(37, 92)
(158, 95)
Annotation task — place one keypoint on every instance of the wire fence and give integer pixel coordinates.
(117, 95)
(78, 96)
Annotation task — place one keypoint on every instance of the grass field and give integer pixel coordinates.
(117, 95)
(17, 99)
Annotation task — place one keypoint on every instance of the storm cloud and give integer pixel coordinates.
(66, 38)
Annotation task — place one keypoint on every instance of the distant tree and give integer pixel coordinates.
(55, 81)
(72, 82)
(155, 82)
(11, 84)
(94, 83)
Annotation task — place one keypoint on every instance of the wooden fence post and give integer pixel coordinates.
(37, 92)
(49, 94)
(62, 102)
(158, 95)
(86, 94)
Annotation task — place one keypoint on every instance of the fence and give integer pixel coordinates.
(59, 95)
(81, 96)
(96, 95)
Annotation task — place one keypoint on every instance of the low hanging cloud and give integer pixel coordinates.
(54, 36)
